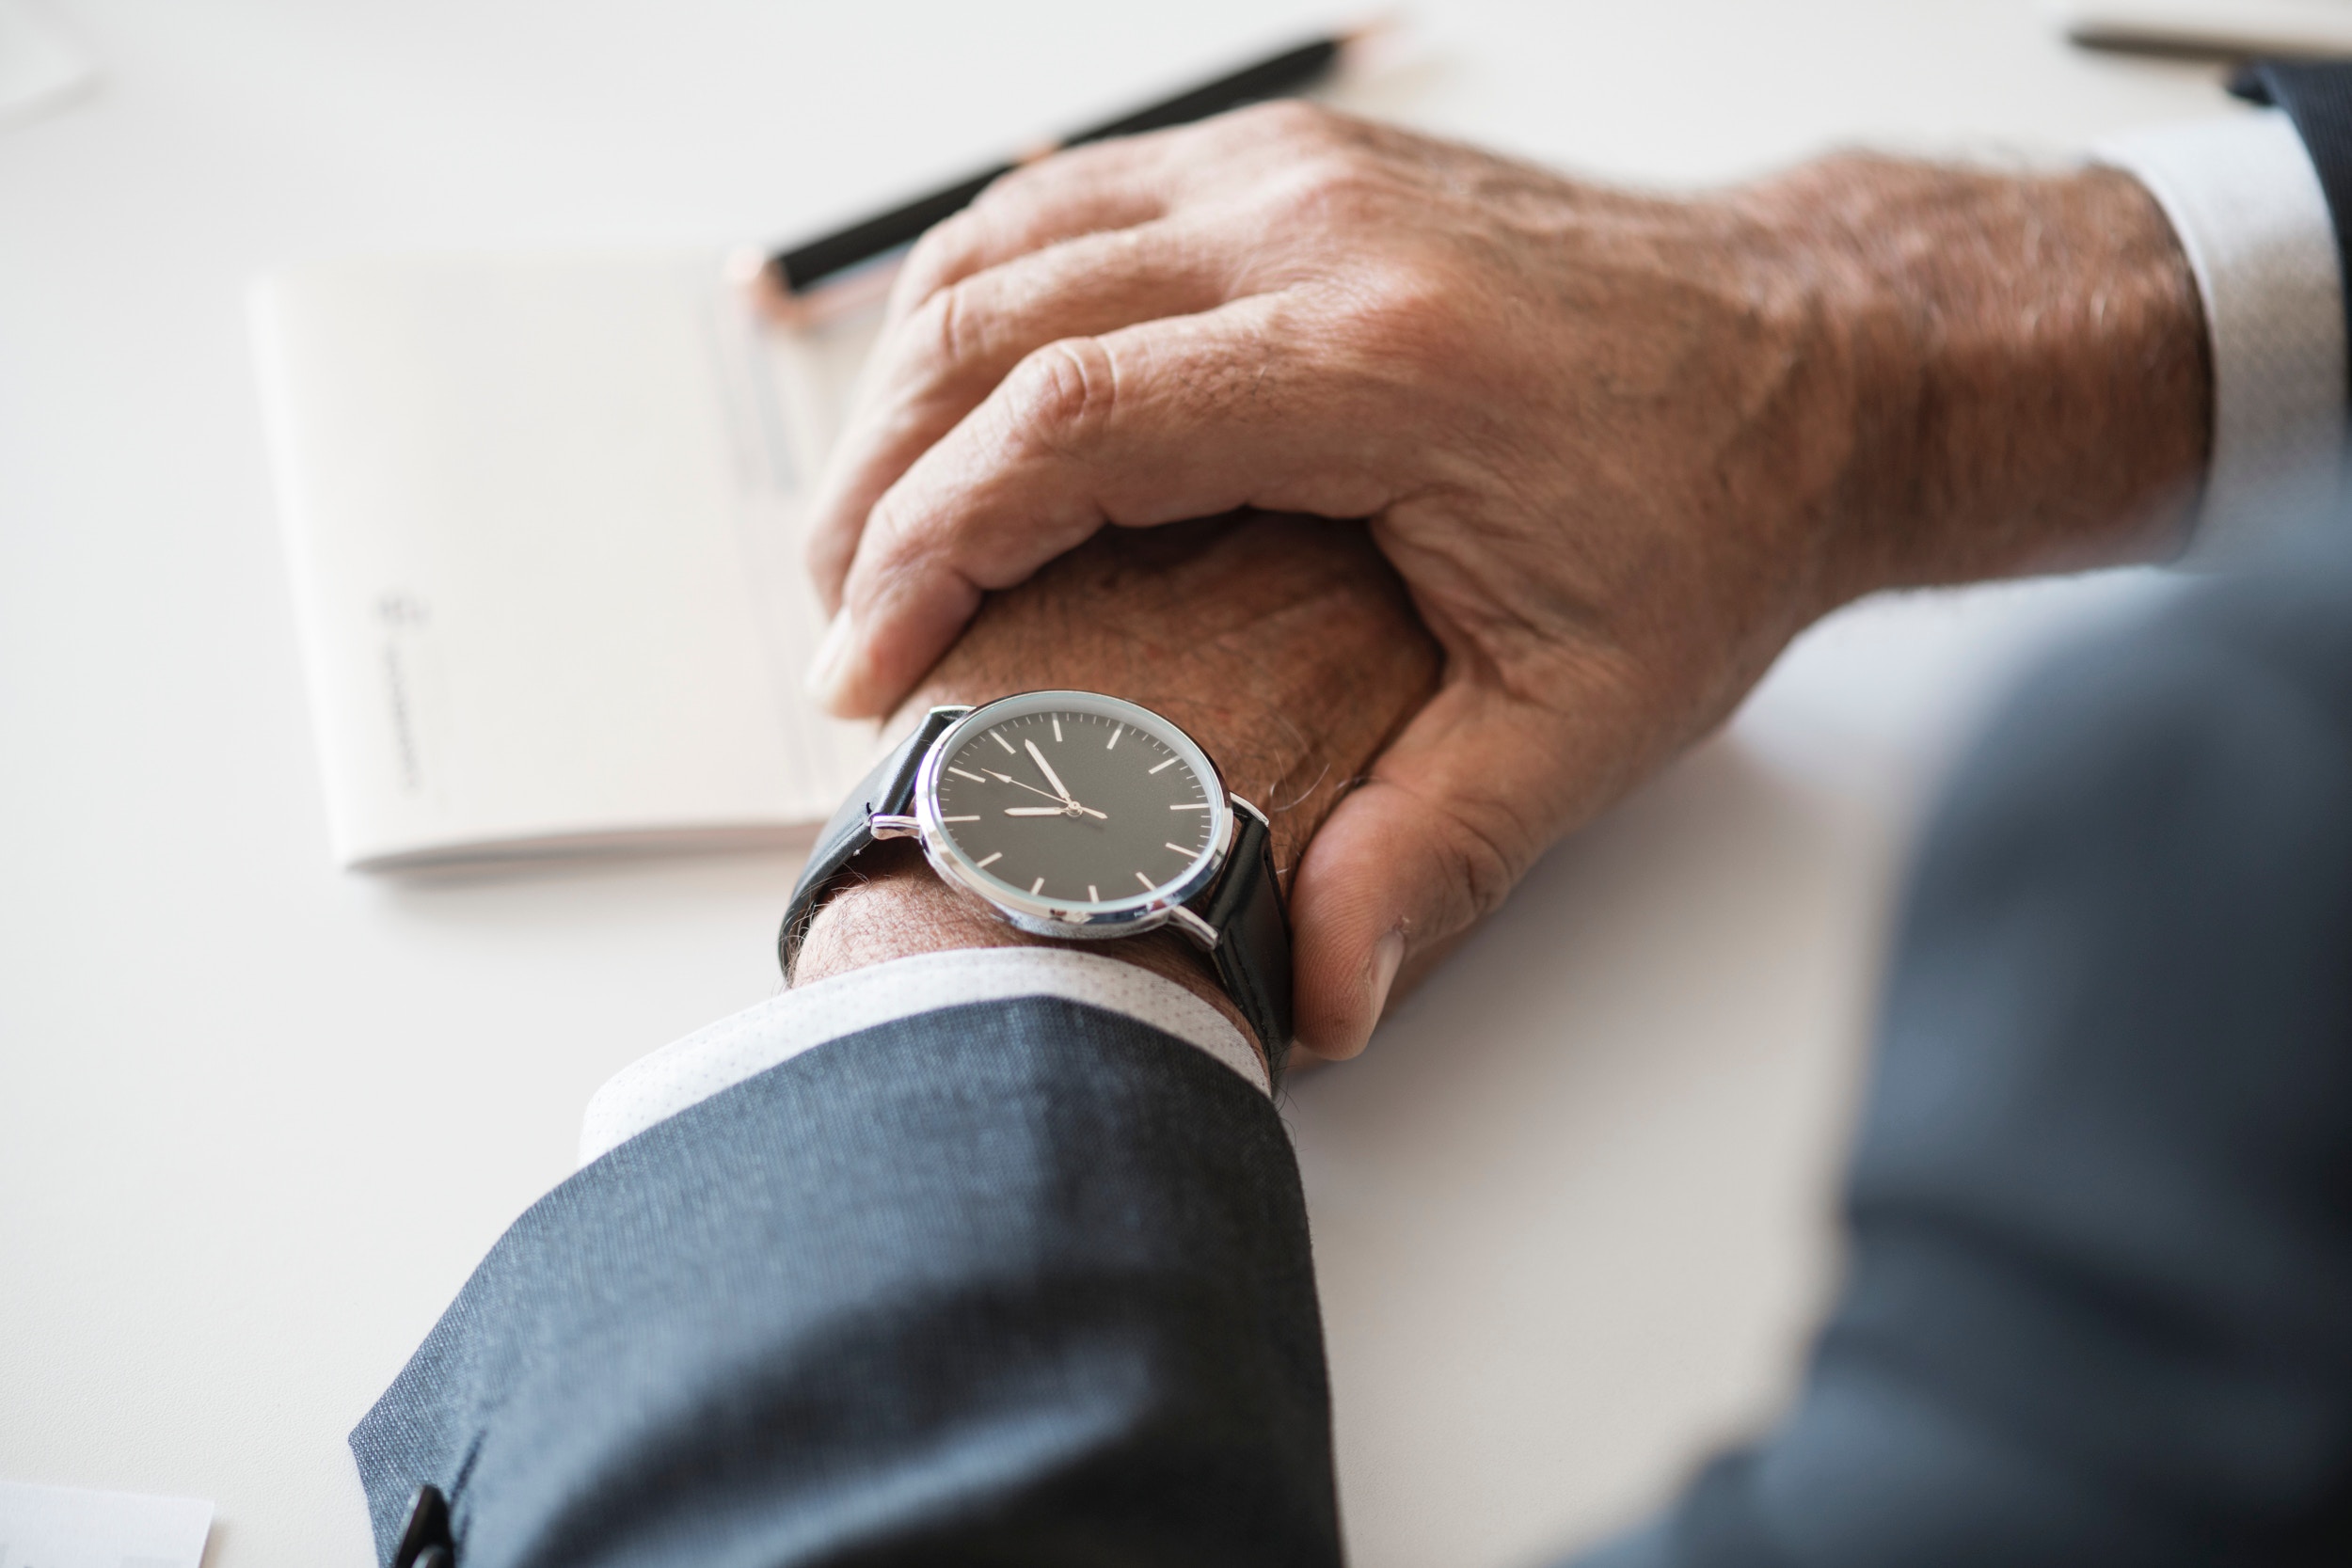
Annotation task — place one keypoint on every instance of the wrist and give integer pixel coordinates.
(1284, 646)
(2027, 383)
(896, 907)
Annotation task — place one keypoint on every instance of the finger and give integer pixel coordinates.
(1125, 183)
(939, 365)
(1454, 814)
(1117, 183)
(1083, 190)
(1184, 418)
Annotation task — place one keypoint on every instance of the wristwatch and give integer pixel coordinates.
(1077, 815)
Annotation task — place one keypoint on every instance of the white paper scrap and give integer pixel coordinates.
(40, 68)
(64, 1527)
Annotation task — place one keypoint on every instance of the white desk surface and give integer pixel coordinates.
(258, 1119)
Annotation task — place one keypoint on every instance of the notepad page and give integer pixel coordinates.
(64, 1527)
(541, 518)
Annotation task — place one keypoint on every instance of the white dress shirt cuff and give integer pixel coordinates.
(687, 1071)
(2246, 204)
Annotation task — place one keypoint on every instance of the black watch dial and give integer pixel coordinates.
(1077, 803)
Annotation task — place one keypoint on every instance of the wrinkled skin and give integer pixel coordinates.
(1619, 448)
(1285, 645)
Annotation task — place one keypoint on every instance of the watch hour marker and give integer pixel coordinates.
(1002, 742)
(992, 859)
(1169, 763)
(959, 819)
(1092, 896)
(1056, 729)
(1035, 886)
(1178, 847)
(1190, 805)
(962, 775)
(1147, 883)
(1114, 742)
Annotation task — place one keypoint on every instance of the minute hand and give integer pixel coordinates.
(1047, 769)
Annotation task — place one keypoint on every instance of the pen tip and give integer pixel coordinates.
(1372, 27)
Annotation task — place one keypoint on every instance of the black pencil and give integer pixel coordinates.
(798, 268)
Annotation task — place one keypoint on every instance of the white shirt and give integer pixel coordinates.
(2246, 204)
(2244, 198)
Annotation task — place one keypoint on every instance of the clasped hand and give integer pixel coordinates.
(1620, 450)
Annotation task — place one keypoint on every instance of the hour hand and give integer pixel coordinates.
(1036, 811)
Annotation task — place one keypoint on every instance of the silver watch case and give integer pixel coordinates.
(1112, 917)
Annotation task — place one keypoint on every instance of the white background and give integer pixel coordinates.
(257, 1118)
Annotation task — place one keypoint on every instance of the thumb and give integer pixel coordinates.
(1455, 812)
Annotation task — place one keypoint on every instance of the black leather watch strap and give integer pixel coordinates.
(887, 791)
(1252, 953)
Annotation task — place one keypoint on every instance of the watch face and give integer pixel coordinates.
(1073, 806)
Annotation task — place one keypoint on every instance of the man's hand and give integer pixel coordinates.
(1620, 449)
(1284, 646)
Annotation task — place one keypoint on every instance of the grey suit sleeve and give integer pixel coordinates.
(1026, 1282)
(2099, 1300)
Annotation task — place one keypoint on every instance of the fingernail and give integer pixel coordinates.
(1386, 960)
(826, 670)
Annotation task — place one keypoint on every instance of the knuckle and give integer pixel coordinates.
(1414, 315)
(1288, 119)
(1019, 187)
(886, 581)
(947, 332)
(1330, 188)
(942, 254)
(900, 531)
(1063, 393)
(1381, 312)
(1342, 183)
(887, 537)
(1014, 205)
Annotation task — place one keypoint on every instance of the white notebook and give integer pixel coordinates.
(541, 514)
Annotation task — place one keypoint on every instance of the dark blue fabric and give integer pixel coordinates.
(2100, 1301)
(1029, 1283)
(1020, 1283)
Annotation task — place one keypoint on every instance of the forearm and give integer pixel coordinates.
(2026, 361)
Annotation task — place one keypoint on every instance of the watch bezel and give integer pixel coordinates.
(1051, 917)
